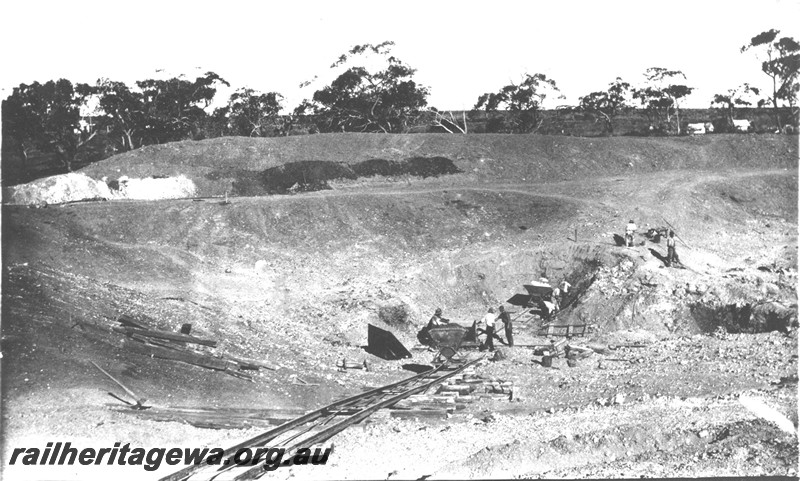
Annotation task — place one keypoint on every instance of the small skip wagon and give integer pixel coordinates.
(448, 339)
(537, 301)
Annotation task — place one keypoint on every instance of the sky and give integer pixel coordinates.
(460, 49)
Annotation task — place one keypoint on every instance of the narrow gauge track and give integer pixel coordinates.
(312, 428)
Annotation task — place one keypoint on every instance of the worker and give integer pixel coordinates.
(547, 308)
(437, 319)
(671, 256)
(555, 298)
(506, 319)
(488, 322)
(563, 291)
(630, 229)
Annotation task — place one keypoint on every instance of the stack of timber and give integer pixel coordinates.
(452, 396)
(184, 348)
(577, 330)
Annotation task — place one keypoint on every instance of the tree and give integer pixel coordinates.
(780, 62)
(252, 114)
(662, 97)
(174, 109)
(360, 100)
(122, 113)
(523, 101)
(47, 117)
(20, 125)
(740, 96)
(609, 103)
(447, 121)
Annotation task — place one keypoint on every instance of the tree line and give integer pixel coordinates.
(61, 118)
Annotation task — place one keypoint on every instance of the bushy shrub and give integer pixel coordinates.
(394, 314)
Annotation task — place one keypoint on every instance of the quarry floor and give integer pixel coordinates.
(703, 405)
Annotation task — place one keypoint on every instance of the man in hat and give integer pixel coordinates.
(437, 319)
(563, 290)
(671, 255)
(630, 229)
(555, 299)
(423, 336)
(505, 318)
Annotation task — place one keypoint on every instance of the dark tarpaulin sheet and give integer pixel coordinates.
(519, 300)
(383, 344)
(539, 290)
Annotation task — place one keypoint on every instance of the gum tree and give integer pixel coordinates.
(174, 109)
(48, 117)
(362, 99)
(662, 94)
(251, 113)
(780, 61)
(522, 101)
(739, 97)
(608, 104)
(121, 112)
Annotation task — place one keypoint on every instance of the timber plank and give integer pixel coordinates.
(188, 357)
(172, 336)
(420, 413)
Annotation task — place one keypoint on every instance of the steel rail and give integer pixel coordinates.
(266, 437)
(258, 470)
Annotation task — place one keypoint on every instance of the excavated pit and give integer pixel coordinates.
(294, 281)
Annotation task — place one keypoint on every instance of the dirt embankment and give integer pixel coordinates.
(462, 249)
(215, 165)
(464, 240)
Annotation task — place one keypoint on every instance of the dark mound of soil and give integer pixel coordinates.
(415, 166)
(289, 178)
(312, 175)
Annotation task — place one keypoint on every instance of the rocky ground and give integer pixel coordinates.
(293, 281)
